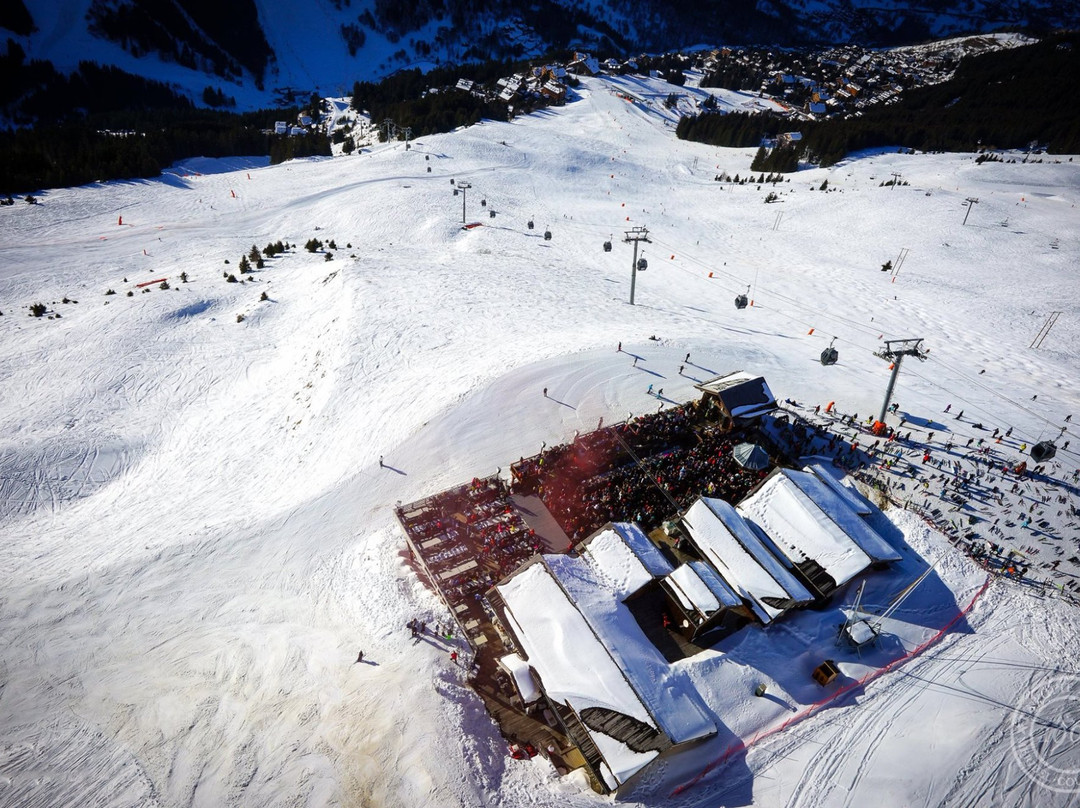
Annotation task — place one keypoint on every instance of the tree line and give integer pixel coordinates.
(139, 145)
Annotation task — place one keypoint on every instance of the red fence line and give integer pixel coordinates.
(795, 719)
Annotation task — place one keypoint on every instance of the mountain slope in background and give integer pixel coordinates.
(257, 50)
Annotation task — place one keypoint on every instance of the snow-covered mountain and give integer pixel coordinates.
(198, 535)
(251, 49)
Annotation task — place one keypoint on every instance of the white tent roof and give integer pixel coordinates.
(851, 497)
(701, 590)
(588, 651)
(740, 558)
(626, 557)
(804, 520)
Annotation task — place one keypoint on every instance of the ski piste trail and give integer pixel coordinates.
(198, 538)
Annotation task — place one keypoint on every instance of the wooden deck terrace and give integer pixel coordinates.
(465, 540)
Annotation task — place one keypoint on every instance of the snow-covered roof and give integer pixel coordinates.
(743, 395)
(802, 526)
(836, 508)
(625, 557)
(699, 589)
(721, 591)
(666, 692)
(573, 665)
(851, 497)
(523, 678)
(589, 652)
(740, 558)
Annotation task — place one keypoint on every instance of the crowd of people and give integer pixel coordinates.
(646, 470)
(971, 480)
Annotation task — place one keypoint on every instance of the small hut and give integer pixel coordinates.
(735, 399)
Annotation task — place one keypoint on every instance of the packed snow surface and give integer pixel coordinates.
(198, 536)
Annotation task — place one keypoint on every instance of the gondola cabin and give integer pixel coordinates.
(1042, 451)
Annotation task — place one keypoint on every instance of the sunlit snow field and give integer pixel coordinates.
(197, 536)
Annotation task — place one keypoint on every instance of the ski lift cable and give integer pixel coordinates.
(854, 344)
(820, 314)
(798, 320)
(850, 343)
(968, 404)
(773, 293)
(739, 282)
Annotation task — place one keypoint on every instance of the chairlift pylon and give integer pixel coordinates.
(829, 355)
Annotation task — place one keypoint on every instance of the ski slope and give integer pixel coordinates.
(198, 537)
